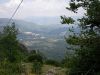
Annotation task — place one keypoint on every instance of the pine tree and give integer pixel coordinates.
(86, 57)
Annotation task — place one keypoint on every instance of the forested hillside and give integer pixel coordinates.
(49, 37)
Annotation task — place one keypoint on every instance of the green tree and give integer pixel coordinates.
(87, 54)
(35, 56)
(10, 48)
(52, 62)
(37, 67)
(10, 51)
(9, 42)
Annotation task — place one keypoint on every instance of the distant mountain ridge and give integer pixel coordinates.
(48, 39)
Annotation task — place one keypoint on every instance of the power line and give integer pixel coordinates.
(14, 12)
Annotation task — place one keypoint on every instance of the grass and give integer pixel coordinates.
(45, 69)
(26, 69)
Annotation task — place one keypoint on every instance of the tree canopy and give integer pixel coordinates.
(10, 48)
(87, 54)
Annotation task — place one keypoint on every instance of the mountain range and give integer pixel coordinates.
(48, 39)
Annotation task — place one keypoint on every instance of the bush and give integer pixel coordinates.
(52, 62)
(7, 68)
(35, 57)
(37, 68)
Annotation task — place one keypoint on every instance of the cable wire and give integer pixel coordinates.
(14, 12)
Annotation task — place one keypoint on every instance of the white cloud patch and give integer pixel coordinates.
(48, 8)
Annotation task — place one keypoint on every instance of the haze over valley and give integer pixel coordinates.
(49, 39)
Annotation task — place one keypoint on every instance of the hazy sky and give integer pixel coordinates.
(35, 8)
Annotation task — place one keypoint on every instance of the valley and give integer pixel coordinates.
(49, 40)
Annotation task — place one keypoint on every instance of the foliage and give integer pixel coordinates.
(11, 51)
(35, 56)
(7, 68)
(10, 48)
(52, 62)
(87, 54)
(9, 43)
(37, 68)
(68, 20)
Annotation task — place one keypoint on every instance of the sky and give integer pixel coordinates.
(36, 10)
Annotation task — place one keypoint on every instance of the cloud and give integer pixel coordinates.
(7, 8)
(43, 8)
(3, 1)
(29, 8)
